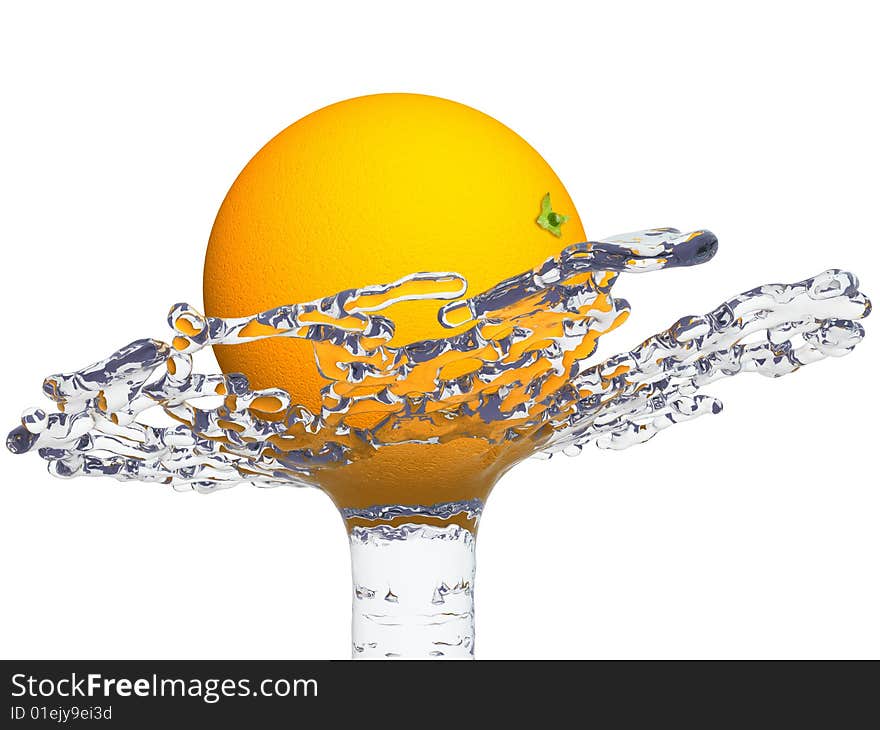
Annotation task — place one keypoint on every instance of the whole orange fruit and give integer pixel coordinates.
(366, 191)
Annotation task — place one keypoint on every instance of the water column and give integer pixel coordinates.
(412, 591)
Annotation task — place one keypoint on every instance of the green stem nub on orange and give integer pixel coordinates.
(549, 220)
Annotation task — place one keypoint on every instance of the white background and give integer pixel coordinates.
(749, 534)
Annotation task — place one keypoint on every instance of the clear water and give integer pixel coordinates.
(413, 591)
(516, 371)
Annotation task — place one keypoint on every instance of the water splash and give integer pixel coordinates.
(515, 372)
(656, 385)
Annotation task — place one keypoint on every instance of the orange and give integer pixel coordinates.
(364, 192)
